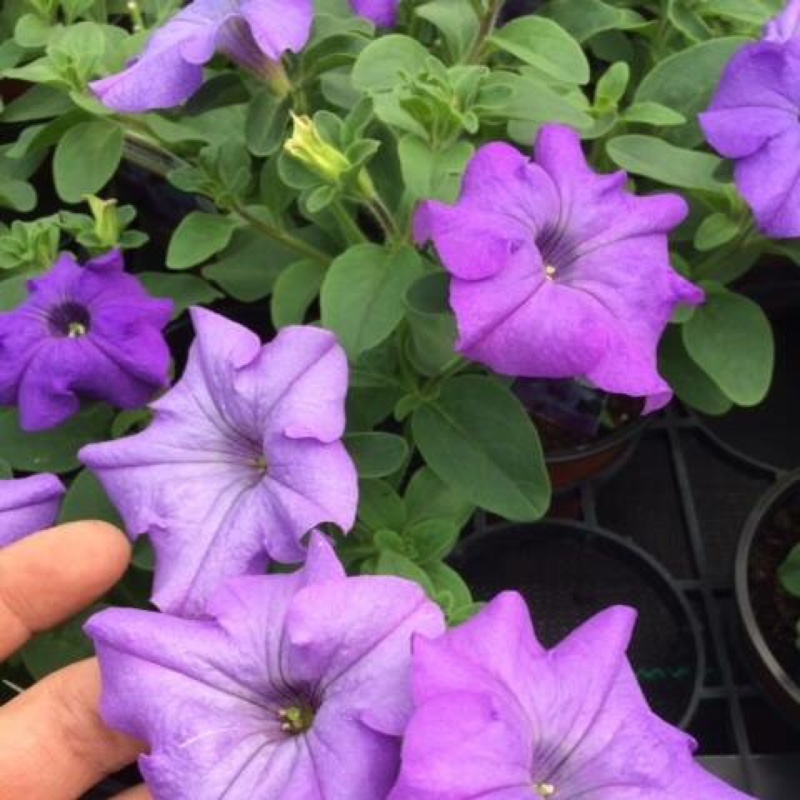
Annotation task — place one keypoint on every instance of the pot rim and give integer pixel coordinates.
(765, 504)
(632, 551)
(621, 436)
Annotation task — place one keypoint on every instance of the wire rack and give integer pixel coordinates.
(683, 494)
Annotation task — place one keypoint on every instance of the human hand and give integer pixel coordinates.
(53, 744)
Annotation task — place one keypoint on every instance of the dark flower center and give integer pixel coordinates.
(296, 719)
(558, 252)
(69, 319)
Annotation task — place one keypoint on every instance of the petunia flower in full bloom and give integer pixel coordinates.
(297, 688)
(243, 458)
(754, 119)
(498, 717)
(28, 505)
(253, 33)
(558, 272)
(382, 12)
(88, 332)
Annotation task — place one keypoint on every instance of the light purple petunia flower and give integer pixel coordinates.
(498, 717)
(382, 12)
(297, 687)
(28, 505)
(754, 119)
(242, 460)
(253, 33)
(558, 272)
(786, 25)
(84, 332)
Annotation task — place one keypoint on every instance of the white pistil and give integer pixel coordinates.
(75, 330)
(544, 789)
(550, 274)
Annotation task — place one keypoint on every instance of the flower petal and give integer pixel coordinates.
(28, 505)
(465, 746)
(354, 637)
(278, 26)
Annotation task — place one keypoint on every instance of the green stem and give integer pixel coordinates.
(709, 268)
(383, 216)
(282, 237)
(352, 232)
(478, 52)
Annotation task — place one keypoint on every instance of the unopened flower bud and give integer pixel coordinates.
(307, 145)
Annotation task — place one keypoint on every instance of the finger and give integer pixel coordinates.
(139, 793)
(53, 744)
(52, 575)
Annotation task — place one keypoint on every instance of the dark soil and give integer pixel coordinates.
(777, 612)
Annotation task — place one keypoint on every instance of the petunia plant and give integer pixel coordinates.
(278, 276)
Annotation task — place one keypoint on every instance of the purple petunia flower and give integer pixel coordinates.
(84, 332)
(382, 12)
(28, 505)
(253, 33)
(242, 460)
(498, 717)
(298, 687)
(558, 272)
(754, 118)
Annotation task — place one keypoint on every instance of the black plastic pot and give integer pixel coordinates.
(567, 572)
(759, 654)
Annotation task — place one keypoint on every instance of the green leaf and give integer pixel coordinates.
(5, 470)
(685, 19)
(86, 158)
(55, 450)
(586, 18)
(664, 162)
(86, 499)
(429, 497)
(198, 237)
(295, 290)
(379, 506)
(730, 338)
(612, 84)
(17, 195)
(432, 539)
(478, 439)
(685, 82)
(789, 572)
(445, 578)
(39, 102)
(266, 123)
(248, 269)
(690, 383)
(431, 323)
(381, 63)
(376, 454)
(456, 20)
(12, 293)
(432, 174)
(183, 290)
(362, 295)
(393, 563)
(66, 644)
(544, 44)
(650, 113)
(714, 231)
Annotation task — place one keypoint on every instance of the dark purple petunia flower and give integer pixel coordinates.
(498, 717)
(382, 12)
(28, 505)
(84, 332)
(253, 33)
(754, 119)
(243, 458)
(297, 688)
(558, 272)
